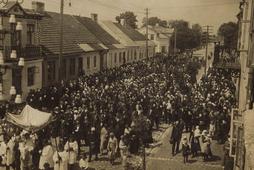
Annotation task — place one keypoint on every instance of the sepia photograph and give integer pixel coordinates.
(126, 85)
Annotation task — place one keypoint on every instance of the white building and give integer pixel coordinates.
(160, 36)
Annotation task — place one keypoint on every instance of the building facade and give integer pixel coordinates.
(20, 41)
(242, 122)
(160, 36)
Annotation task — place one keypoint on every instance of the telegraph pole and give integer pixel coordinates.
(175, 40)
(61, 40)
(207, 38)
(146, 33)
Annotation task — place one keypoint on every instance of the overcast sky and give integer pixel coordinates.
(204, 12)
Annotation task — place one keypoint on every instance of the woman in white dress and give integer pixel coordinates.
(60, 159)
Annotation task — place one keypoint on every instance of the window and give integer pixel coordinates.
(124, 59)
(51, 70)
(163, 49)
(30, 76)
(72, 66)
(132, 53)
(115, 57)
(64, 68)
(80, 65)
(120, 57)
(94, 61)
(140, 54)
(152, 37)
(88, 62)
(30, 34)
(128, 55)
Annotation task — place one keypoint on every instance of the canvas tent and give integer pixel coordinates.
(30, 119)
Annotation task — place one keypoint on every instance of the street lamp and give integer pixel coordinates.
(15, 34)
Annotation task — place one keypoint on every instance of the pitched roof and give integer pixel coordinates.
(130, 32)
(97, 30)
(162, 30)
(117, 33)
(74, 33)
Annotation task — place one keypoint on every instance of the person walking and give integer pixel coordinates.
(60, 159)
(93, 144)
(103, 137)
(185, 149)
(46, 156)
(112, 147)
(175, 139)
(71, 147)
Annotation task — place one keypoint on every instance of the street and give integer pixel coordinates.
(161, 158)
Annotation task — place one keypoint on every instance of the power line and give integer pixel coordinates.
(114, 7)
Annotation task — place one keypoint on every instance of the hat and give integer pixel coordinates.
(204, 132)
(93, 129)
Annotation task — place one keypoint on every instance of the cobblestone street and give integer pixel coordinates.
(161, 158)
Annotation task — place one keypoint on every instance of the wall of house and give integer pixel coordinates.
(37, 64)
(6, 25)
(7, 82)
(46, 81)
(159, 42)
(94, 66)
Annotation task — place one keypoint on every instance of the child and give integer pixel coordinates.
(83, 163)
(186, 149)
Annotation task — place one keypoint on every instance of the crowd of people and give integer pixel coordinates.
(114, 112)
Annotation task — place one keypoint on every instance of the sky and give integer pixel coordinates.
(204, 12)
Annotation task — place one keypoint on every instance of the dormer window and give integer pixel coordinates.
(30, 34)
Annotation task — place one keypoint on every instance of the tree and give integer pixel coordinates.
(186, 37)
(155, 20)
(229, 31)
(130, 19)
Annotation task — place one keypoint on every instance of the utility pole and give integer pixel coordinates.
(207, 38)
(61, 41)
(146, 33)
(175, 30)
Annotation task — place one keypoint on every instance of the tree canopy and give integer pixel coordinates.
(130, 18)
(186, 37)
(155, 20)
(229, 31)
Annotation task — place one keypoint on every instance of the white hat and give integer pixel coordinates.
(93, 129)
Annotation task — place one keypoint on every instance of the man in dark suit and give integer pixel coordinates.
(176, 136)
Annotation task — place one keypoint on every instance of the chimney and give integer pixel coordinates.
(38, 6)
(122, 21)
(94, 17)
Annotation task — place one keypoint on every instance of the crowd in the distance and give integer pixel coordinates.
(114, 111)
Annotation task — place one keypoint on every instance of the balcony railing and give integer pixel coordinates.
(27, 52)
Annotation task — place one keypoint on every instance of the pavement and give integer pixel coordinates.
(161, 159)
(104, 164)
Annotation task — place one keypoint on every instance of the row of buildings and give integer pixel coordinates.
(242, 118)
(30, 47)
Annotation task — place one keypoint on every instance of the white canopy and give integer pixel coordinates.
(30, 119)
